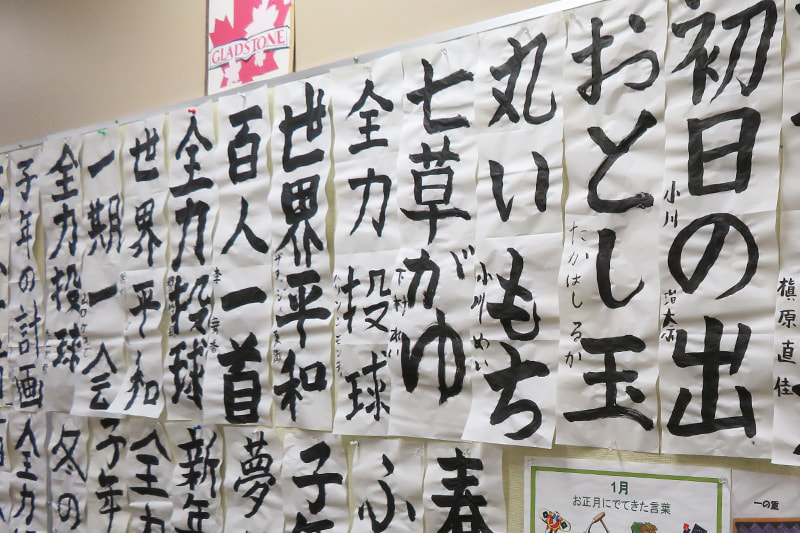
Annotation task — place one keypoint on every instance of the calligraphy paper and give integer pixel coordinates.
(363, 298)
(103, 360)
(367, 117)
(144, 267)
(786, 377)
(5, 469)
(5, 459)
(519, 118)
(515, 336)
(69, 466)
(313, 477)
(252, 488)
(100, 373)
(197, 477)
(148, 468)
(430, 352)
(786, 439)
(433, 285)
(5, 504)
(386, 479)
(464, 485)
(790, 140)
(189, 303)
(102, 197)
(237, 386)
(722, 164)
(301, 352)
(436, 164)
(5, 263)
(106, 506)
(362, 331)
(613, 101)
(192, 207)
(60, 197)
(28, 494)
(236, 380)
(193, 198)
(364, 390)
(26, 290)
(146, 187)
(613, 95)
(607, 370)
(141, 391)
(244, 133)
(367, 106)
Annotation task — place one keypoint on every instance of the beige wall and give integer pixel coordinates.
(325, 33)
(70, 64)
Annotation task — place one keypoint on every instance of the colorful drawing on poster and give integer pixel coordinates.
(764, 525)
(248, 40)
(553, 521)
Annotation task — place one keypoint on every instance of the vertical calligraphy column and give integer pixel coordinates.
(608, 281)
(367, 105)
(252, 488)
(301, 354)
(718, 244)
(68, 445)
(197, 477)
(515, 331)
(5, 469)
(5, 263)
(313, 479)
(143, 271)
(192, 212)
(26, 290)
(433, 274)
(786, 375)
(237, 370)
(148, 467)
(387, 479)
(60, 196)
(102, 367)
(107, 505)
(27, 437)
(464, 488)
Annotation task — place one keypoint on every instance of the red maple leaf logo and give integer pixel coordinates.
(249, 17)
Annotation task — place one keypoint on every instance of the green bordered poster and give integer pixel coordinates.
(580, 496)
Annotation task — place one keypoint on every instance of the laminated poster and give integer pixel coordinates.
(764, 502)
(593, 496)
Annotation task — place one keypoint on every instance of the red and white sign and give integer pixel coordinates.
(248, 40)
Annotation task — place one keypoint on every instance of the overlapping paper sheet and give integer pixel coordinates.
(613, 90)
(718, 248)
(785, 375)
(236, 380)
(303, 291)
(514, 320)
(367, 106)
(430, 351)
